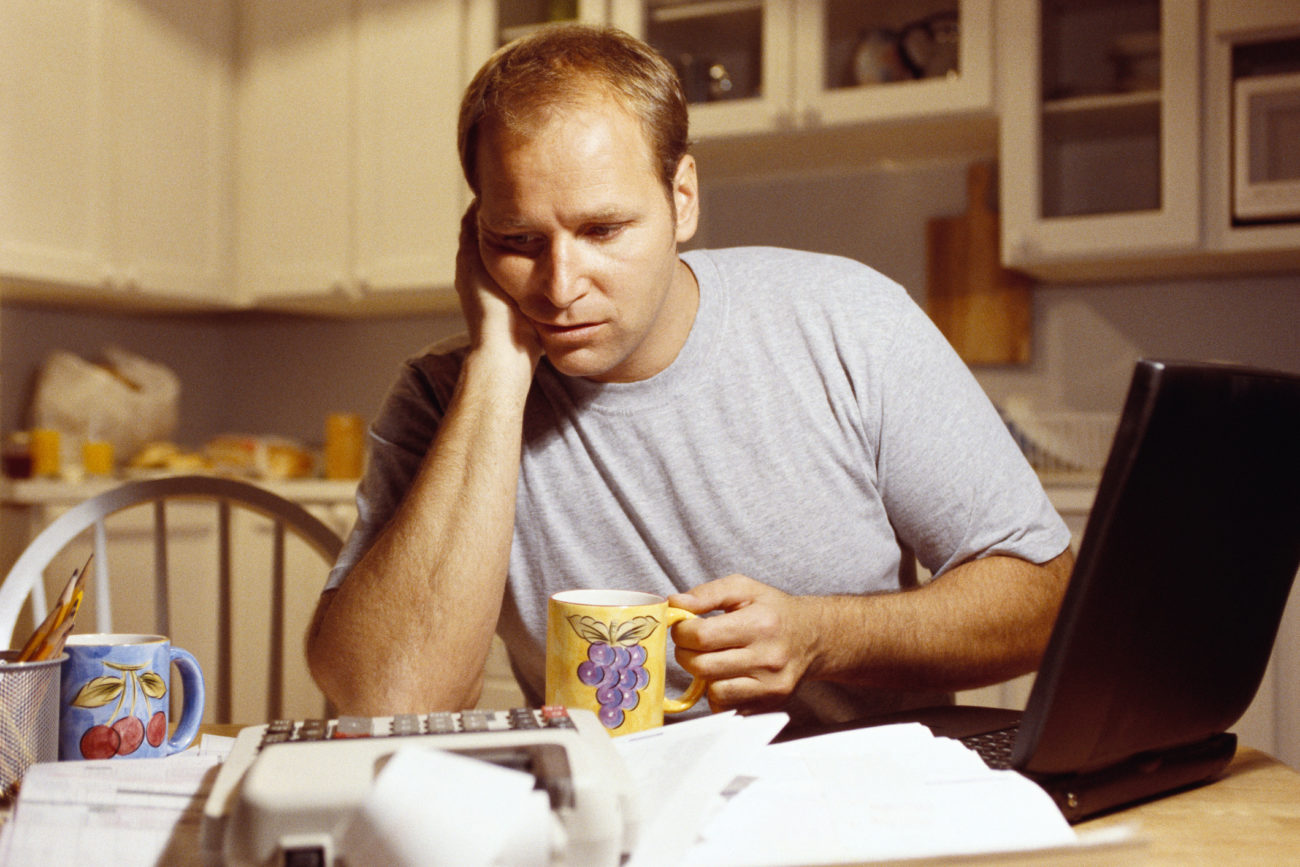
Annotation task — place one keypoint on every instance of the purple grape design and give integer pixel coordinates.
(615, 664)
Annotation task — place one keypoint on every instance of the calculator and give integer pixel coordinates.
(289, 787)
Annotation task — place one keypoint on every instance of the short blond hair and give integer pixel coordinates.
(564, 65)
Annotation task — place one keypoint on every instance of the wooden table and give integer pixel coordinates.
(1251, 815)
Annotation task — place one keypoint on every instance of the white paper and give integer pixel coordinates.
(679, 772)
(431, 807)
(111, 812)
(872, 794)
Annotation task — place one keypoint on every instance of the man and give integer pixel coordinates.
(761, 434)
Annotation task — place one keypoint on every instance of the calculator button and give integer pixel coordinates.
(405, 724)
(271, 737)
(473, 721)
(441, 723)
(313, 730)
(556, 717)
(522, 718)
(352, 727)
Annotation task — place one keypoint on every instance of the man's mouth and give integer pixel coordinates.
(566, 331)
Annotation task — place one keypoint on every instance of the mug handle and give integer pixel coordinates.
(192, 711)
(672, 617)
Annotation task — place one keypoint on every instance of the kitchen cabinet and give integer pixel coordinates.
(1099, 136)
(115, 151)
(349, 185)
(771, 81)
(1232, 29)
(761, 67)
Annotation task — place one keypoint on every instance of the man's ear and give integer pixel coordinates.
(686, 199)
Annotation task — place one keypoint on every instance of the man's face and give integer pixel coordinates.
(575, 227)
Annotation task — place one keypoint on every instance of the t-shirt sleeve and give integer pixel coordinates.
(954, 483)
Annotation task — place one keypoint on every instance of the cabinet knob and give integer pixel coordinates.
(347, 288)
(1020, 245)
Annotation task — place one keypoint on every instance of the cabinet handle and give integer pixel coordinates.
(1022, 246)
(353, 289)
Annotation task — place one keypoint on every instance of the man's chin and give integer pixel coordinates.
(578, 363)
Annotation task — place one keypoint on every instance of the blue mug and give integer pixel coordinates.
(115, 697)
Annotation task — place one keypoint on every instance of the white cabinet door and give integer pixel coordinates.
(115, 150)
(1100, 174)
(410, 194)
(294, 170)
(53, 189)
(171, 97)
(350, 194)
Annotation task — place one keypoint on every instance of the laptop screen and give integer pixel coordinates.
(1183, 572)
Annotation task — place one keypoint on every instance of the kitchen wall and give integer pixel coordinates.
(264, 373)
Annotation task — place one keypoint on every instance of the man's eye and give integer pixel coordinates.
(604, 232)
(515, 242)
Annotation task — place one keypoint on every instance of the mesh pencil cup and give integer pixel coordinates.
(29, 717)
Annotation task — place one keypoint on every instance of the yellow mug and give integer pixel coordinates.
(607, 650)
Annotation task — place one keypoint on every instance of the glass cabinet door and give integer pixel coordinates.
(1100, 133)
(734, 58)
(515, 18)
(870, 60)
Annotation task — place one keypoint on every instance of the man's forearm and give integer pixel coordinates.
(410, 628)
(983, 622)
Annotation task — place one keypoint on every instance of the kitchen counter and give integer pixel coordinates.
(63, 492)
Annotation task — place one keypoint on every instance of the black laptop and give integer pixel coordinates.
(1181, 579)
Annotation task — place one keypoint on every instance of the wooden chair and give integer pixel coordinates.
(25, 580)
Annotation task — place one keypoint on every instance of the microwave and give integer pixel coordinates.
(1266, 148)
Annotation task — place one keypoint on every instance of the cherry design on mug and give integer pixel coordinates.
(124, 735)
(615, 663)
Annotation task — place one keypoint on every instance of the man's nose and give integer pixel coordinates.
(562, 277)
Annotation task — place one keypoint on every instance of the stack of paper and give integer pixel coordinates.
(713, 792)
(892, 792)
(113, 811)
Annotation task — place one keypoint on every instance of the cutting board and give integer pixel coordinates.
(983, 309)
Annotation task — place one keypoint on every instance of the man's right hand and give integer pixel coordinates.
(494, 320)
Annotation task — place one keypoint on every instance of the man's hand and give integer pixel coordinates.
(493, 318)
(756, 651)
(979, 623)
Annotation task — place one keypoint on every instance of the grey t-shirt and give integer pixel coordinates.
(813, 433)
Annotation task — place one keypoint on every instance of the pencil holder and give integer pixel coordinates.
(29, 717)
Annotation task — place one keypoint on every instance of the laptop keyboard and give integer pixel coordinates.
(994, 747)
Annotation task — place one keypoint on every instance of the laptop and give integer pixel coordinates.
(1178, 590)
